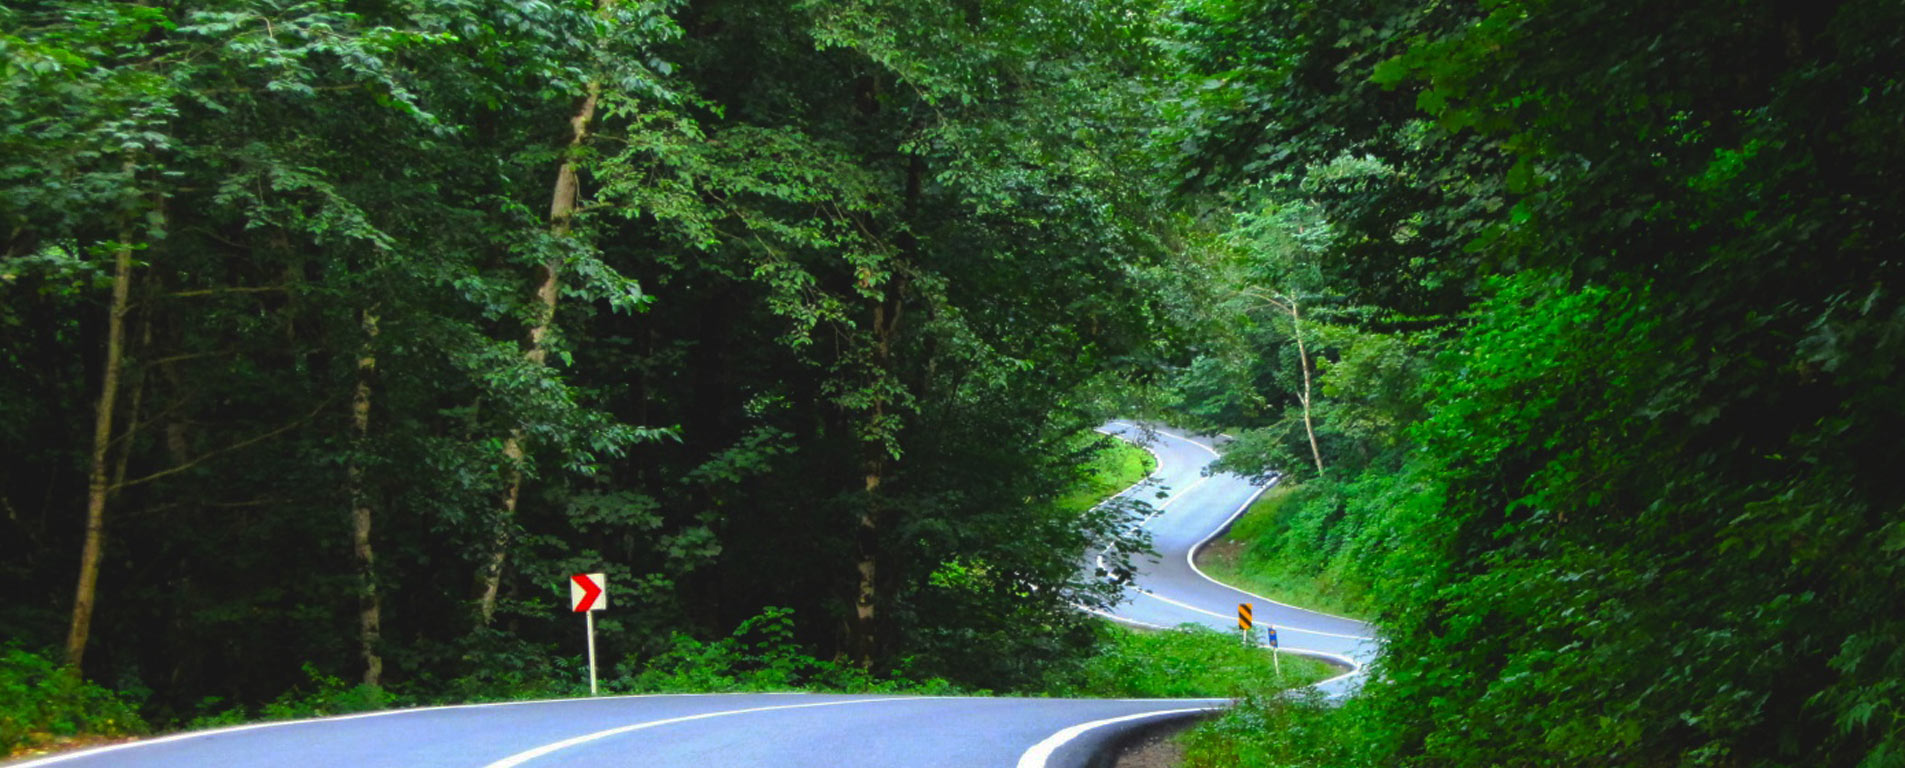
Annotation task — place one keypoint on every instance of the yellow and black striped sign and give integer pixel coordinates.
(1243, 616)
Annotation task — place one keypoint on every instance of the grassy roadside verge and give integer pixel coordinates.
(1267, 731)
(1253, 556)
(1192, 662)
(1117, 466)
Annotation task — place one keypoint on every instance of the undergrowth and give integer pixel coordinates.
(1189, 662)
(44, 704)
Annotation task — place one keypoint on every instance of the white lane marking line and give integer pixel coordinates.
(1279, 627)
(1180, 494)
(528, 755)
(1040, 753)
(1156, 474)
(63, 757)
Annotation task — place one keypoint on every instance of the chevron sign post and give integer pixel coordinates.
(588, 593)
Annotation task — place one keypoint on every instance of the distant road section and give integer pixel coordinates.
(1194, 508)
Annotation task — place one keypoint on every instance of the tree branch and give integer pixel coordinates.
(233, 289)
(202, 458)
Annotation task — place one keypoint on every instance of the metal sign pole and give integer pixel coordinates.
(589, 618)
(1276, 649)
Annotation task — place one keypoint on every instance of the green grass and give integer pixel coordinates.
(1193, 662)
(1250, 557)
(1264, 731)
(1116, 467)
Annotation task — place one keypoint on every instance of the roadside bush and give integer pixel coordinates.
(42, 703)
(1186, 662)
(323, 695)
(1265, 730)
(760, 655)
(327, 695)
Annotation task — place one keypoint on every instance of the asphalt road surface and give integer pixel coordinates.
(793, 729)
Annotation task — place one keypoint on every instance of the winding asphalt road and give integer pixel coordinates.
(1195, 507)
(795, 729)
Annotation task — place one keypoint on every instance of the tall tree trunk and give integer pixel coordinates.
(863, 628)
(866, 550)
(1289, 304)
(97, 481)
(370, 621)
(1303, 359)
(562, 205)
(133, 409)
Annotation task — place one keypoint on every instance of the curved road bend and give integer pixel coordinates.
(664, 731)
(791, 729)
(1195, 508)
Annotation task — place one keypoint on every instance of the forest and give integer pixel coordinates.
(334, 334)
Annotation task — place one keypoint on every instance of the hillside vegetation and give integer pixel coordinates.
(1579, 326)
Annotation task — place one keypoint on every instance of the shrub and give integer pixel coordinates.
(43, 703)
(1186, 662)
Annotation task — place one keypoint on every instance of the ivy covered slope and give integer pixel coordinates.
(1580, 326)
(338, 334)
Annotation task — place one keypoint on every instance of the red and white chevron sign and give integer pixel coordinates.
(588, 592)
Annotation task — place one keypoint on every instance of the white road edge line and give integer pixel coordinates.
(1341, 660)
(74, 755)
(1190, 556)
(1040, 753)
(525, 756)
(1280, 627)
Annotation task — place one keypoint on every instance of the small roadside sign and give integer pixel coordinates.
(588, 592)
(1243, 616)
(1270, 636)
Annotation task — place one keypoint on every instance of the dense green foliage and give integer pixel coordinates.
(1604, 304)
(42, 702)
(358, 327)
